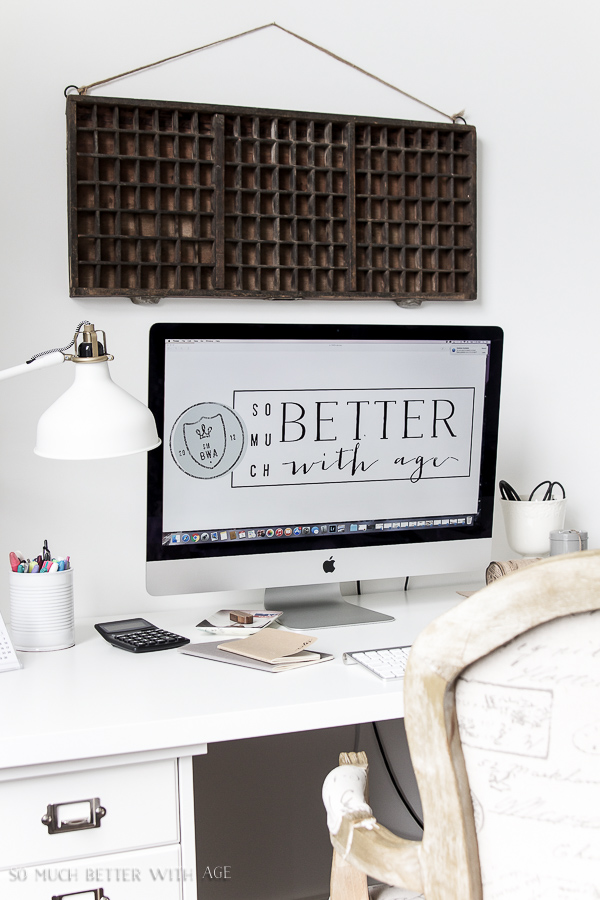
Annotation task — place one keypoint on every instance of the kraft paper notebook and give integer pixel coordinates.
(274, 646)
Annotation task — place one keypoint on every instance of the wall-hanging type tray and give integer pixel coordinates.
(180, 199)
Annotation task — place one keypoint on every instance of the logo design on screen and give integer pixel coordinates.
(208, 440)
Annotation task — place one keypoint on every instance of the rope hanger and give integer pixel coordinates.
(85, 88)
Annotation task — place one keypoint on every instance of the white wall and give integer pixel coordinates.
(526, 73)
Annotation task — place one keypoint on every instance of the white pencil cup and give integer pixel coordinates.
(529, 523)
(41, 610)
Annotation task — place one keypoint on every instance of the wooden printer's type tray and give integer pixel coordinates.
(192, 200)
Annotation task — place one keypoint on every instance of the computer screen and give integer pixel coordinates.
(297, 455)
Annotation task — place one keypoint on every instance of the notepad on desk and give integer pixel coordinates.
(270, 651)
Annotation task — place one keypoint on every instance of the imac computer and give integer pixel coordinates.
(295, 457)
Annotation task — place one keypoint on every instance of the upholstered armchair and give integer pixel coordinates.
(502, 714)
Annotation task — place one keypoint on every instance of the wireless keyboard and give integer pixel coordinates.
(389, 663)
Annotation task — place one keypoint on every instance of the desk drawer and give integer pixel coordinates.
(141, 875)
(140, 801)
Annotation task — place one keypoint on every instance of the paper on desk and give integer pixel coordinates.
(273, 647)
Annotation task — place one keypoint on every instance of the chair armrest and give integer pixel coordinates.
(359, 838)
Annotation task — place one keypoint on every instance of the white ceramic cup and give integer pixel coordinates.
(42, 615)
(528, 524)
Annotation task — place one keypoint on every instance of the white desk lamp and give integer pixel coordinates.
(94, 418)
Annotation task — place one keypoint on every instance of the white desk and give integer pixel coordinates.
(96, 722)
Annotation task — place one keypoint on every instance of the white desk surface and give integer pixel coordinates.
(94, 700)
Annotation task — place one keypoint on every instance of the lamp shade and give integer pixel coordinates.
(95, 419)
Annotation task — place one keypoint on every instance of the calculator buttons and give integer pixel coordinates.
(140, 639)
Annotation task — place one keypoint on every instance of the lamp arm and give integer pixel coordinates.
(42, 362)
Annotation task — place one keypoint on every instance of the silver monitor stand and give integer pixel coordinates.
(318, 606)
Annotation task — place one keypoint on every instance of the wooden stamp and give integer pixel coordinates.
(242, 617)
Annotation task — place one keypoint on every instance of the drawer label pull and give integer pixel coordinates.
(93, 894)
(73, 816)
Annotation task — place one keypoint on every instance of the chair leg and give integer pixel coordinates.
(347, 883)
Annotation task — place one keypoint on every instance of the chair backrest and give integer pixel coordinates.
(502, 711)
(529, 722)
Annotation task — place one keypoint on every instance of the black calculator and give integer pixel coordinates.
(139, 636)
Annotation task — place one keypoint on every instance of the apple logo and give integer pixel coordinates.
(329, 565)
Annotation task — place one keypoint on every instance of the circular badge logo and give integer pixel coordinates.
(208, 440)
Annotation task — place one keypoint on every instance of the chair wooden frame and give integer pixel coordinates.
(444, 865)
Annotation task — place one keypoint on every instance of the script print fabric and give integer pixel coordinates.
(529, 721)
